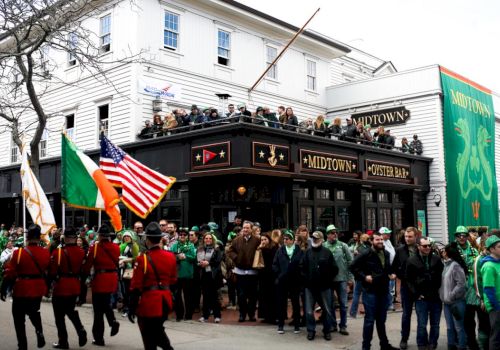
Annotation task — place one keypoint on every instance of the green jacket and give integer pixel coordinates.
(185, 268)
(343, 259)
(469, 254)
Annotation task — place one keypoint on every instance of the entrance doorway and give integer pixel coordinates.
(270, 216)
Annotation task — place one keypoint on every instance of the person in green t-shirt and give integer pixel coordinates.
(490, 272)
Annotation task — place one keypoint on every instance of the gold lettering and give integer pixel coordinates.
(311, 162)
(468, 103)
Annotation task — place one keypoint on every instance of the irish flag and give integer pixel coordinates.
(84, 185)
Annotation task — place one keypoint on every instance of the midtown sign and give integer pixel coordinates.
(383, 117)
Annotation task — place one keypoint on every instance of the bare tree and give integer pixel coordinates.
(30, 29)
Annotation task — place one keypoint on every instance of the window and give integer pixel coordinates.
(271, 54)
(306, 216)
(104, 119)
(369, 196)
(44, 60)
(304, 193)
(371, 218)
(322, 194)
(72, 44)
(383, 197)
(343, 218)
(105, 34)
(43, 143)
(325, 216)
(311, 75)
(398, 218)
(385, 217)
(171, 31)
(340, 195)
(14, 152)
(70, 126)
(223, 47)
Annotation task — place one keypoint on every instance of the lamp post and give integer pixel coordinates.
(157, 104)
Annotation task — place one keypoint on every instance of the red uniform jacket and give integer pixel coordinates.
(104, 257)
(29, 283)
(68, 282)
(151, 302)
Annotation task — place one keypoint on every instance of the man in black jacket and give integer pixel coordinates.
(423, 272)
(373, 269)
(403, 253)
(319, 270)
(286, 267)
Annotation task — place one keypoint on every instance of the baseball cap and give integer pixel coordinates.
(317, 235)
(331, 228)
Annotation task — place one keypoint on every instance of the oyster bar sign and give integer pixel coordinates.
(383, 117)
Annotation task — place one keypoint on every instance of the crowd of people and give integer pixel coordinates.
(179, 120)
(149, 272)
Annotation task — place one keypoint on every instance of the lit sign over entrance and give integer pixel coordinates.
(211, 156)
(383, 117)
(379, 170)
(267, 155)
(328, 163)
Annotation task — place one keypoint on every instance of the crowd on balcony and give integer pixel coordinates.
(179, 120)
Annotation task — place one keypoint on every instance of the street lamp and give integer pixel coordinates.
(223, 98)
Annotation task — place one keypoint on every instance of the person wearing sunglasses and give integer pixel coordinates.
(473, 303)
(423, 272)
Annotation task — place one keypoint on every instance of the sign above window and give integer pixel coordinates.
(267, 155)
(383, 117)
(327, 163)
(211, 156)
(389, 171)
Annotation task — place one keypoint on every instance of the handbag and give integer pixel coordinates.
(128, 273)
(258, 260)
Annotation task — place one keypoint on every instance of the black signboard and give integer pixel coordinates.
(382, 117)
(388, 171)
(328, 163)
(211, 156)
(268, 155)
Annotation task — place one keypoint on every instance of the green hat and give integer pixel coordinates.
(367, 126)
(288, 233)
(331, 228)
(384, 231)
(195, 229)
(460, 230)
(491, 241)
(231, 236)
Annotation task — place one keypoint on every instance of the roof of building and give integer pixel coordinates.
(310, 34)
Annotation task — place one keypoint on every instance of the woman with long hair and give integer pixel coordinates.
(320, 126)
(209, 258)
(291, 121)
(128, 253)
(452, 293)
(267, 290)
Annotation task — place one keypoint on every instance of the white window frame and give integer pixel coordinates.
(44, 143)
(311, 75)
(105, 33)
(70, 132)
(273, 71)
(174, 31)
(72, 44)
(14, 152)
(225, 48)
(103, 124)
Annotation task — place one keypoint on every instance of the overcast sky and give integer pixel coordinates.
(462, 35)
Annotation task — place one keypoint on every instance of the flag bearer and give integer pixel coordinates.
(27, 270)
(151, 299)
(65, 270)
(103, 256)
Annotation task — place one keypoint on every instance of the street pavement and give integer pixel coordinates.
(210, 336)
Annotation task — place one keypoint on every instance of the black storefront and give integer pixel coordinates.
(279, 178)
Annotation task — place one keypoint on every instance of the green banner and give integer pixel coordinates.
(469, 147)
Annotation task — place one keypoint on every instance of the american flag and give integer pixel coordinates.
(142, 187)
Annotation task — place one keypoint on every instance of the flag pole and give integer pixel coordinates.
(24, 218)
(99, 218)
(63, 216)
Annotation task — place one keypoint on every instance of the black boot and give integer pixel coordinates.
(60, 345)
(40, 339)
(82, 337)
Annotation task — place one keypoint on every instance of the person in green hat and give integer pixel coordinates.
(473, 303)
(490, 272)
(343, 259)
(286, 268)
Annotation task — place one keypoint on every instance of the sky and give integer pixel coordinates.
(463, 36)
